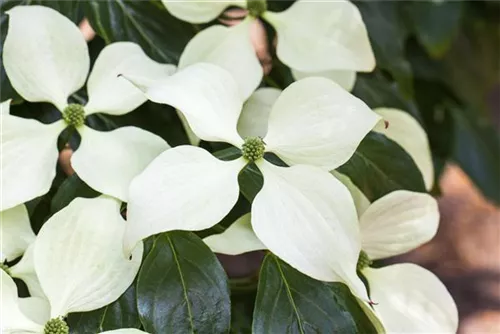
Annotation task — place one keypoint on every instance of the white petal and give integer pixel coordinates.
(185, 188)
(407, 132)
(13, 320)
(199, 11)
(35, 308)
(111, 94)
(206, 94)
(316, 122)
(397, 223)
(360, 201)
(317, 36)
(125, 331)
(15, 233)
(25, 271)
(346, 79)
(229, 48)
(79, 258)
(192, 137)
(411, 299)
(239, 238)
(255, 114)
(108, 161)
(307, 218)
(29, 157)
(45, 55)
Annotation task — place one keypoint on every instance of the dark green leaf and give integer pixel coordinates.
(434, 23)
(291, 302)
(380, 166)
(182, 288)
(377, 91)
(70, 189)
(120, 314)
(251, 181)
(159, 119)
(477, 151)
(146, 23)
(388, 33)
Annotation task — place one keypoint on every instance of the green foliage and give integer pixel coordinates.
(380, 166)
(182, 288)
(146, 23)
(291, 302)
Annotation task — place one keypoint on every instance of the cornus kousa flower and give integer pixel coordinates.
(313, 38)
(79, 262)
(302, 211)
(46, 59)
(409, 298)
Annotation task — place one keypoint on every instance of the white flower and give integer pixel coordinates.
(326, 38)
(301, 211)
(46, 60)
(80, 265)
(408, 298)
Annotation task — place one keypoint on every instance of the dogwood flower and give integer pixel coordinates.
(46, 60)
(409, 298)
(301, 211)
(313, 38)
(80, 265)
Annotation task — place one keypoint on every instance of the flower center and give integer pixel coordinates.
(256, 7)
(253, 148)
(74, 115)
(363, 261)
(56, 326)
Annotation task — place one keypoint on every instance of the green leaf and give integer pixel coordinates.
(377, 91)
(434, 23)
(380, 166)
(182, 287)
(70, 189)
(120, 314)
(477, 150)
(388, 34)
(251, 181)
(146, 23)
(291, 302)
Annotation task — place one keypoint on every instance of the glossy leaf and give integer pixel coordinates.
(387, 31)
(182, 288)
(434, 23)
(120, 314)
(291, 302)
(70, 189)
(380, 166)
(146, 23)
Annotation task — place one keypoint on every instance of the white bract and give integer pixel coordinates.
(16, 239)
(46, 60)
(301, 212)
(314, 38)
(409, 134)
(80, 265)
(408, 298)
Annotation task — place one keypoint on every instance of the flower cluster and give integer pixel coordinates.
(312, 217)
